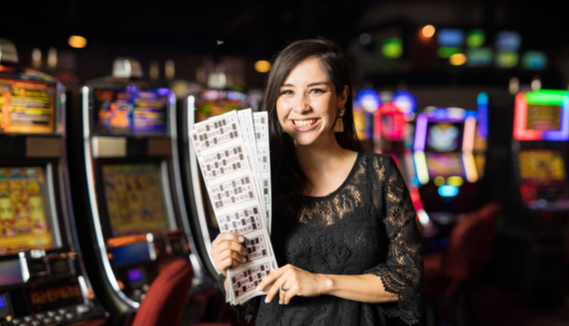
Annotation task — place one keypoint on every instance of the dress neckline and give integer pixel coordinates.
(352, 171)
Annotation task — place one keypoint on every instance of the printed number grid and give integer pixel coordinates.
(224, 162)
(242, 222)
(250, 279)
(214, 134)
(232, 192)
(256, 248)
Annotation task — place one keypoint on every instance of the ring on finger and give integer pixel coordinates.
(284, 288)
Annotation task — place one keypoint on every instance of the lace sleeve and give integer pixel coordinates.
(245, 311)
(402, 269)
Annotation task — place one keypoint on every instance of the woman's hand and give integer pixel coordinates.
(291, 281)
(227, 251)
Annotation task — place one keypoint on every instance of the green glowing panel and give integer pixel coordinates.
(446, 52)
(507, 59)
(475, 38)
(547, 97)
(392, 48)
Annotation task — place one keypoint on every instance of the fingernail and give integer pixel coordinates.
(266, 299)
(258, 288)
(280, 302)
(244, 259)
(241, 239)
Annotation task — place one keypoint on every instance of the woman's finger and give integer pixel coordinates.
(270, 279)
(228, 236)
(275, 289)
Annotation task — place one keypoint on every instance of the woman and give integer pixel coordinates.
(344, 228)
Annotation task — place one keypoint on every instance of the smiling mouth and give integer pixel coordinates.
(304, 123)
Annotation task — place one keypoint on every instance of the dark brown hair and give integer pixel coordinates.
(288, 180)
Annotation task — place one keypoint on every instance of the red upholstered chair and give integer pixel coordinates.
(469, 248)
(168, 294)
(166, 297)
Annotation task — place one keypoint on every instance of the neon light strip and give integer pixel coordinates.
(421, 132)
(563, 133)
(469, 167)
(469, 134)
(520, 121)
(421, 167)
(483, 115)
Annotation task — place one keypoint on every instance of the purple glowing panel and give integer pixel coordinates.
(134, 275)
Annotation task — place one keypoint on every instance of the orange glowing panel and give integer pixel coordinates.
(520, 121)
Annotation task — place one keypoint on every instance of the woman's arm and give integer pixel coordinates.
(298, 282)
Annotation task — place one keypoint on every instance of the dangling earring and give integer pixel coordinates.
(339, 125)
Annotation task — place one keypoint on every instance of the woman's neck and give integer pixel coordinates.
(324, 163)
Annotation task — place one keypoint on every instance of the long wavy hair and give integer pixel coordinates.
(288, 180)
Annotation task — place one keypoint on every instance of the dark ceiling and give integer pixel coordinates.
(249, 28)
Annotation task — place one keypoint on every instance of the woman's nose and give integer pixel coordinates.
(301, 104)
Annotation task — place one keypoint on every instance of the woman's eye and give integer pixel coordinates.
(286, 92)
(317, 91)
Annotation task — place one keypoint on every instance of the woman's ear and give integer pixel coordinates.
(343, 97)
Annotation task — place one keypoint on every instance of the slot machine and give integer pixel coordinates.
(195, 108)
(393, 135)
(444, 159)
(365, 104)
(540, 138)
(42, 277)
(126, 175)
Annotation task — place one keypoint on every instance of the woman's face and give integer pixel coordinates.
(308, 105)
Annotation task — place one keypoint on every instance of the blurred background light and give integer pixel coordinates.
(457, 59)
(534, 60)
(365, 39)
(479, 57)
(475, 38)
(262, 66)
(393, 48)
(428, 31)
(450, 37)
(76, 41)
(508, 41)
(446, 52)
(506, 59)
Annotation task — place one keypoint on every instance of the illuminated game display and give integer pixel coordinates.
(211, 103)
(26, 106)
(443, 149)
(134, 198)
(542, 116)
(24, 214)
(130, 111)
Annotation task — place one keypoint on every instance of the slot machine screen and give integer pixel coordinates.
(541, 166)
(134, 198)
(543, 117)
(445, 165)
(444, 137)
(214, 102)
(25, 219)
(130, 111)
(27, 106)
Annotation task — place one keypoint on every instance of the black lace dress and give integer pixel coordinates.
(366, 226)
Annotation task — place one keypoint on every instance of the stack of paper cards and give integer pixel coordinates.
(233, 155)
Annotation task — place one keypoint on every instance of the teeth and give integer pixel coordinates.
(304, 123)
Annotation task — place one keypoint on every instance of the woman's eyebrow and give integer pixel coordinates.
(309, 85)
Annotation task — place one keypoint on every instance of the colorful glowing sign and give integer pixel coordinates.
(542, 115)
(406, 103)
(479, 57)
(389, 123)
(508, 41)
(368, 99)
(475, 38)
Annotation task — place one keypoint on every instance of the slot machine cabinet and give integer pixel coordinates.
(540, 138)
(126, 175)
(196, 108)
(42, 277)
(444, 159)
(393, 135)
(365, 104)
